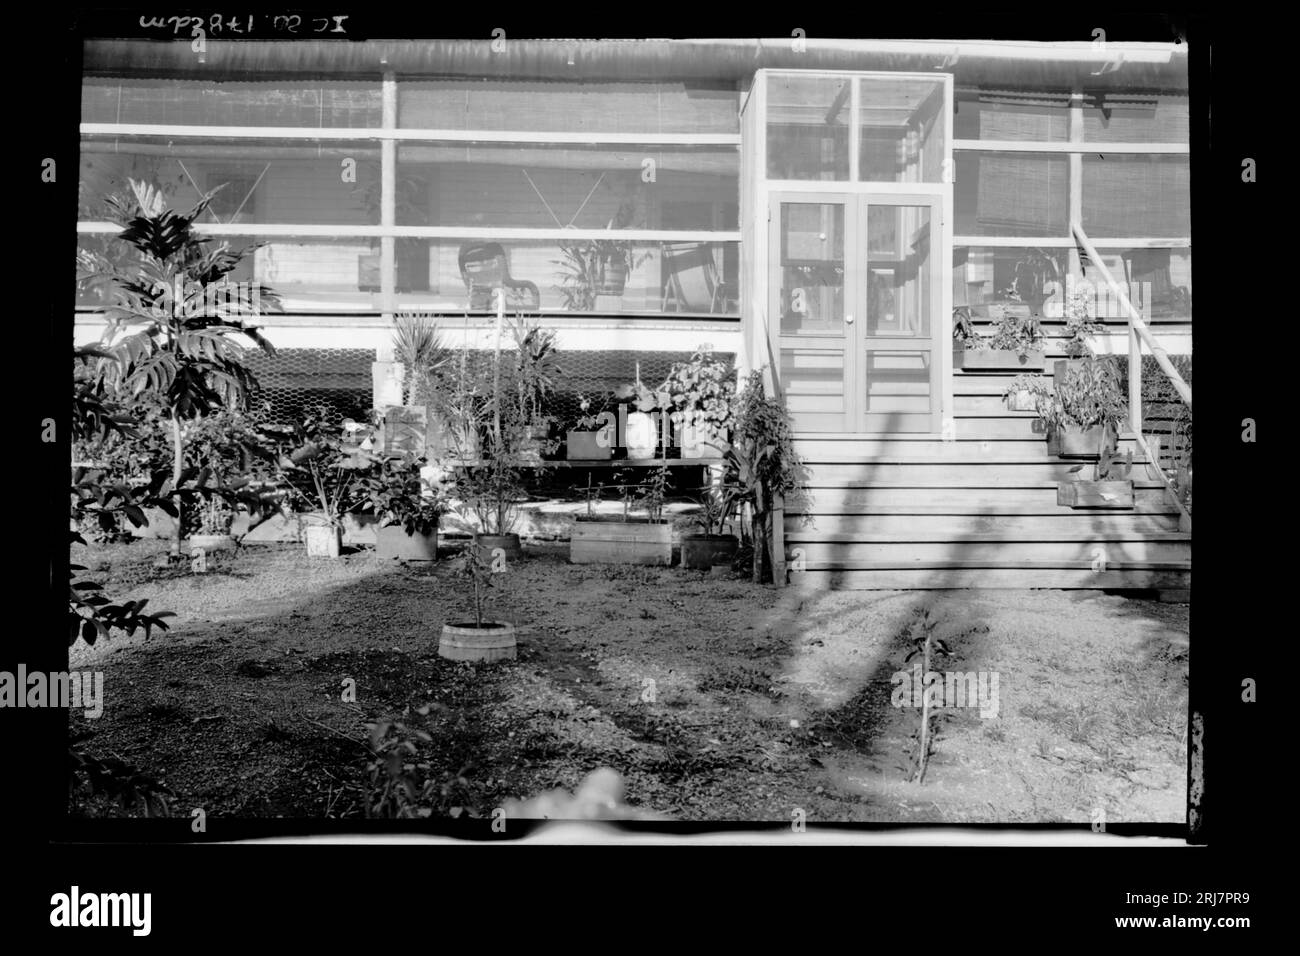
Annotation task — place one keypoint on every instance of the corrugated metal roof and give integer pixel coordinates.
(1140, 66)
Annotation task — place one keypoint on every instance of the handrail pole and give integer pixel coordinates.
(1134, 379)
(1136, 323)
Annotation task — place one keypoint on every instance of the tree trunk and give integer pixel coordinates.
(177, 463)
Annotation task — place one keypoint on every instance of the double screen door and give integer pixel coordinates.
(855, 281)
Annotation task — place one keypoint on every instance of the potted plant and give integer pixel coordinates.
(595, 269)
(1083, 412)
(627, 539)
(1016, 343)
(701, 397)
(592, 436)
(318, 476)
(712, 546)
(642, 432)
(1080, 327)
(406, 508)
(535, 373)
(491, 491)
(479, 639)
(761, 465)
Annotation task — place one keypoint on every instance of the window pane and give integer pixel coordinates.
(808, 127)
(547, 187)
(1011, 194)
(267, 181)
(985, 276)
(901, 136)
(1027, 115)
(812, 268)
(575, 276)
(1158, 282)
(489, 104)
(1125, 195)
(318, 103)
(898, 271)
(307, 274)
(1129, 118)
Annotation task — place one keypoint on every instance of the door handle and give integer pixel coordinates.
(848, 320)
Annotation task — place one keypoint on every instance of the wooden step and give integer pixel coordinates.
(891, 579)
(1053, 526)
(894, 448)
(867, 498)
(975, 550)
(946, 472)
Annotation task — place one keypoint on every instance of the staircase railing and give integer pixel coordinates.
(1139, 334)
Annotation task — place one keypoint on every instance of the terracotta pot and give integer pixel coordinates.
(508, 543)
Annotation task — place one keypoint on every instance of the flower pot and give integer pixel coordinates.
(394, 543)
(615, 279)
(323, 541)
(642, 439)
(587, 446)
(494, 641)
(599, 540)
(703, 551)
(1095, 494)
(509, 543)
(989, 360)
(1071, 441)
(210, 542)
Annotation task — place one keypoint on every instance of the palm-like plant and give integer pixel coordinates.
(168, 332)
(418, 345)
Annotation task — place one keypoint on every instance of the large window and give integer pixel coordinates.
(1031, 162)
(574, 197)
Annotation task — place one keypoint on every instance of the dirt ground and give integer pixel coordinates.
(714, 698)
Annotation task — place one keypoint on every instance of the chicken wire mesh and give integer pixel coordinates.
(336, 383)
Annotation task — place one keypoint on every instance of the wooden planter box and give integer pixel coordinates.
(605, 541)
(583, 446)
(1074, 442)
(703, 551)
(989, 360)
(1095, 494)
(394, 543)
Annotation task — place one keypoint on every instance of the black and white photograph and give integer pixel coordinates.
(734, 439)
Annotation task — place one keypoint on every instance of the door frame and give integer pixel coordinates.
(760, 330)
(854, 340)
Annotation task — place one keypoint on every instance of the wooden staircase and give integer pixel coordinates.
(976, 512)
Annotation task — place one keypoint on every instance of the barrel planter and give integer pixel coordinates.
(600, 540)
(494, 641)
(392, 542)
(586, 446)
(487, 544)
(703, 551)
(323, 541)
(998, 360)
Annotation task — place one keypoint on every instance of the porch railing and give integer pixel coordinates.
(1139, 334)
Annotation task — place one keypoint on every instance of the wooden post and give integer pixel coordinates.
(388, 199)
(1134, 378)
